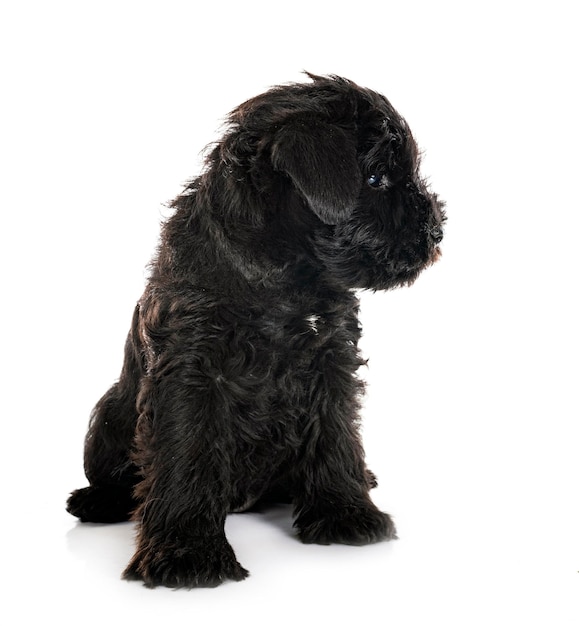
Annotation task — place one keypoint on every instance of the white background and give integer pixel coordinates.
(471, 416)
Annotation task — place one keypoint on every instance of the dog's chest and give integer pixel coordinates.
(304, 331)
(293, 345)
(312, 321)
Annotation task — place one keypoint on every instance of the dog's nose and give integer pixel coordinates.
(436, 234)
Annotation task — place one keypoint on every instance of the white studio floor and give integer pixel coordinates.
(459, 567)
(471, 415)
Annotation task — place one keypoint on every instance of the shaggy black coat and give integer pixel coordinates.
(239, 382)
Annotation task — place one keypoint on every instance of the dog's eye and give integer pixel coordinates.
(377, 180)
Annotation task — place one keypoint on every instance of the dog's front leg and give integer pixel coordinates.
(182, 450)
(332, 503)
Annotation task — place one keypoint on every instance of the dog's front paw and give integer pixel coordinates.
(352, 525)
(205, 563)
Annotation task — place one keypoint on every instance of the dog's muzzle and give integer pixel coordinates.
(437, 234)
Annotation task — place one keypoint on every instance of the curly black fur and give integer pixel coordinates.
(239, 381)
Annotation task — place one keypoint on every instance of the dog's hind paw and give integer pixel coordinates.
(352, 525)
(107, 504)
(207, 563)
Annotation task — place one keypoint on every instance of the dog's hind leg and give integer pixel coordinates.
(107, 461)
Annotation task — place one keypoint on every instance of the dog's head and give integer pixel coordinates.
(338, 160)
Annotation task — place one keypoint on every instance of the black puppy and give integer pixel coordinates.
(239, 382)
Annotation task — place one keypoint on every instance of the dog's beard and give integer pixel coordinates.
(358, 255)
(436, 255)
(361, 267)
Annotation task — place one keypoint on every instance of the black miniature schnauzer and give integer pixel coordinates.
(239, 381)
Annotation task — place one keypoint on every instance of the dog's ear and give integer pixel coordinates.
(321, 161)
